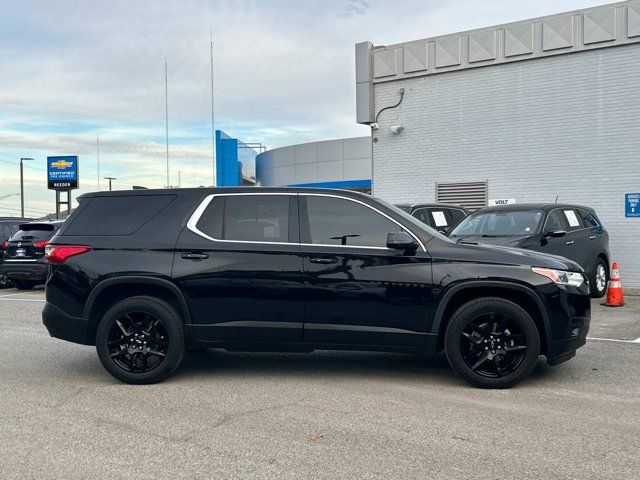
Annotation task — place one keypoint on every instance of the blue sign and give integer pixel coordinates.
(632, 205)
(62, 173)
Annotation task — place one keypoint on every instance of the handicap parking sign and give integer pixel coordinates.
(632, 205)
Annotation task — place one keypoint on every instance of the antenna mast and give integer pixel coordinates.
(213, 129)
(166, 115)
(98, 151)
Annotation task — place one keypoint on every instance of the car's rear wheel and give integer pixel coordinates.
(4, 281)
(23, 284)
(492, 343)
(599, 279)
(141, 340)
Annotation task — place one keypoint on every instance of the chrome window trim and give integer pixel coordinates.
(195, 218)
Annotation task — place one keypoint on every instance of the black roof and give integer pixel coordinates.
(531, 206)
(211, 190)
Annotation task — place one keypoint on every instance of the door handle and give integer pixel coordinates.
(323, 261)
(194, 256)
(592, 237)
(571, 242)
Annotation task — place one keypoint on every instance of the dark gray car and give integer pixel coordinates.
(570, 231)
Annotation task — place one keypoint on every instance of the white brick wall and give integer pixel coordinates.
(567, 125)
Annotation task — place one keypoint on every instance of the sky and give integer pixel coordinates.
(71, 71)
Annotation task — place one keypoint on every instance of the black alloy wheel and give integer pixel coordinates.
(141, 340)
(493, 345)
(492, 342)
(138, 342)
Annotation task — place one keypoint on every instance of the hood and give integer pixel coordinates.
(499, 254)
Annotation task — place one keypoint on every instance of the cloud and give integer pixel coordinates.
(284, 73)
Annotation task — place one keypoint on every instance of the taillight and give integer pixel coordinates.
(41, 243)
(4, 245)
(58, 254)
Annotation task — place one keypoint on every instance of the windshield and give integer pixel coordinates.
(415, 223)
(507, 223)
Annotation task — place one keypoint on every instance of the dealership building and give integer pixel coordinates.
(540, 110)
(531, 111)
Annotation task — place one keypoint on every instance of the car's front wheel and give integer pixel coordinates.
(492, 342)
(599, 279)
(141, 340)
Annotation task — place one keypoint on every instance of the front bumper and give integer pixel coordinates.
(569, 311)
(30, 270)
(65, 327)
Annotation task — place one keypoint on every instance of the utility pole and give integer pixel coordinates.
(213, 129)
(98, 150)
(166, 115)
(110, 178)
(179, 180)
(22, 186)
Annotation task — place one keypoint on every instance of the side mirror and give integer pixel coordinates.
(555, 233)
(401, 241)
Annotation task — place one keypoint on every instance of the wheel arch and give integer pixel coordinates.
(112, 290)
(460, 294)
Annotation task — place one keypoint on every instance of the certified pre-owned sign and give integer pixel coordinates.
(62, 173)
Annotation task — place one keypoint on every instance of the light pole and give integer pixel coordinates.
(110, 178)
(22, 186)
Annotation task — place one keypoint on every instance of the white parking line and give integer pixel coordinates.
(14, 294)
(637, 340)
(22, 300)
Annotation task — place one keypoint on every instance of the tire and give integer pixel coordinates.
(4, 281)
(597, 283)
(23, 284)
(135, 351)
(492, 343)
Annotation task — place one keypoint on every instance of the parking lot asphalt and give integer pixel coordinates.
(319, 415)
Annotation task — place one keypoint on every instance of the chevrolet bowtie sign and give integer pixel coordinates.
(62, 173)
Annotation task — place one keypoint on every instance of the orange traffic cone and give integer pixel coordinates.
(614, 292)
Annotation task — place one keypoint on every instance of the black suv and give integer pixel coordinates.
(8, 226)
(146, 275)
(571, 231)
(24, 263)
(441, 216)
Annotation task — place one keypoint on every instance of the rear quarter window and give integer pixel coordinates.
(121, 215)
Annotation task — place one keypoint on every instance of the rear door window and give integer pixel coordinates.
(117, 215)
(256, 218)
(573, 219)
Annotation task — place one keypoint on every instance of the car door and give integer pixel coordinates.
(557, 245)
(239, 266)
(358, 291)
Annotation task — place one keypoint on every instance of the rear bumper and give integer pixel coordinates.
(34, 271)
(65, 327)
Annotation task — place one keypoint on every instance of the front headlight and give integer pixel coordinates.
(561, 277)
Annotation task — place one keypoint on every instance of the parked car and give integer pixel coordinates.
(8, 226)
(24, 264)
(441, 216)
(571, 231)
(146, 275)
